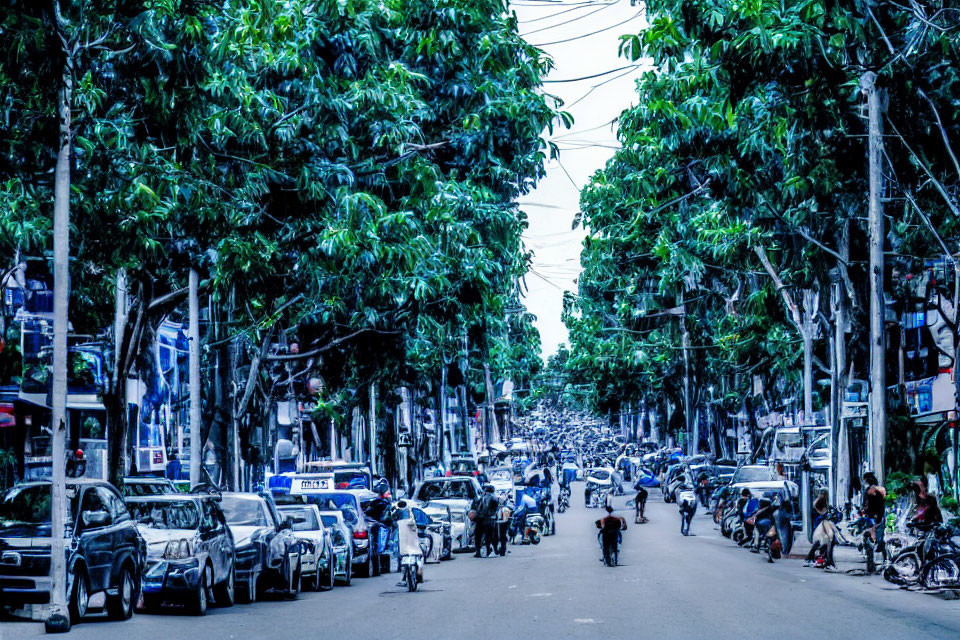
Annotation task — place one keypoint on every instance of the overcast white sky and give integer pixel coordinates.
(582, 38)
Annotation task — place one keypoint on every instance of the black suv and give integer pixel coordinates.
(105, 553)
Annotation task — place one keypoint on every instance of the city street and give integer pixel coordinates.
(667, 587)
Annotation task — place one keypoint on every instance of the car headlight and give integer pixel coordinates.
(178, 550)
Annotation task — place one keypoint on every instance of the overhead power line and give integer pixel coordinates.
(595, 75)
(587, 35)
(560, 13)
(566, 22)
(597, 86)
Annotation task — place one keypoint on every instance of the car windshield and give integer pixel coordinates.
(501, 475)
(754, 474)
(243, 512)
(351, 480)
(28, 505)
(346, 503)
(456, 489)
(309, 518)
(165, 514)
(600, 474)
(145, 489)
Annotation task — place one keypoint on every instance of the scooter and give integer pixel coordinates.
(563, 500)
(412, 558)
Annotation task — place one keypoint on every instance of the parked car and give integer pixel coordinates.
(340, 543)
(105, 552)
(190, 551)
(457, 493)
(147, 486)
(267, 550)
(461, 528)
(363, 530)
(502, 480)
(317, 547)
(441, 514)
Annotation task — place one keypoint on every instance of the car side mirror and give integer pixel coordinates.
(94, 519)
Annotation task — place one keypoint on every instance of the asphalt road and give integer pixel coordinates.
(667, 586)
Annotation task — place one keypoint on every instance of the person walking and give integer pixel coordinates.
(874, 508)
(504, 515)
(485, 521)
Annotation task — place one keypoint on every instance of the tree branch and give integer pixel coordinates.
(943, 131)
(326, 347)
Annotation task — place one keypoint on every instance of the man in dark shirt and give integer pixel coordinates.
(610, 527)
(486, 521)
(875, 506)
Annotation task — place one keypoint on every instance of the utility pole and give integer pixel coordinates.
(59, 619)
(372, 428)
(687, 409)
(193, 357)
(878, 375)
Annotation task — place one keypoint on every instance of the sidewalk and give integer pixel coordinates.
(850, 562)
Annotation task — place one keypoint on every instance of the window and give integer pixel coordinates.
(244, 512)
(92, 500)
(165, 514)
(115, 506)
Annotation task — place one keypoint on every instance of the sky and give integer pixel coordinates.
(582, 37)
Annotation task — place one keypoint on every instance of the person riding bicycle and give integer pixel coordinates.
(610, 527)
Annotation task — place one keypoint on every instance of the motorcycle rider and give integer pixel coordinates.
(527, 504)
(640, 502)
(687, 502)
(763, 523)
(610, 527)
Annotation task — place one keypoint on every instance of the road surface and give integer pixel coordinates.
(667, 586)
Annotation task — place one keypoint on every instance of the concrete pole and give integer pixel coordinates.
(193, 365)
(878, 375)
(372, 428)
(59, 618)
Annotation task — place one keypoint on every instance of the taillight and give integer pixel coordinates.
(476, 473)
(360, 534)
(449, 474)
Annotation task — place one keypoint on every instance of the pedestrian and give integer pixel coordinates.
(874, 506)
(640, 502)
(687, 502)
(174, 467)
(504, 515)
(485, 521)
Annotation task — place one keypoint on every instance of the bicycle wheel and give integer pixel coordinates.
(941, 573)
(903, 569)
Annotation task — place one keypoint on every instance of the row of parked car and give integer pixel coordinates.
(148, 543)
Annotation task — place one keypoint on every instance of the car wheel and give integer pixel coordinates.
(80, 596)
(349, 572)
(225, 592)
(294, 582)
(120, 606)
(330, 575)
(249, 593)
(151, 603)
(201, 598)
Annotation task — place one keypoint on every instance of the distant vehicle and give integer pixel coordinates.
(146, 486)
(317, 550)
(346, 475)
(267, 551)
(190, 552)
(105, 552)
(342, 548)
(441, 514)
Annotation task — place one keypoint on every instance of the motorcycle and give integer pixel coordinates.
(533, 528)
(563, 500)
(412, 556)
